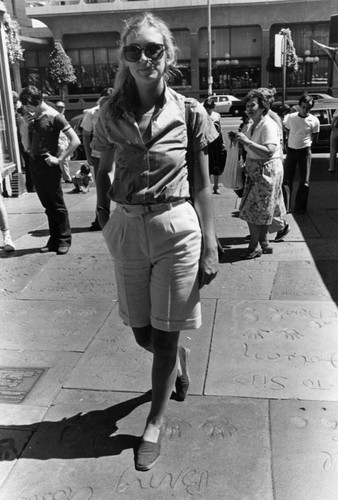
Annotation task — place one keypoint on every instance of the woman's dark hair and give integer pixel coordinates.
(125, 92)
(263, 97)
(31, 95)
(209, 104)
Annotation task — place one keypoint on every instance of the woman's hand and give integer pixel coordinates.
(243, 139)
(208, 266)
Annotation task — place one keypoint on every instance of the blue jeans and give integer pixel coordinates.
(302, 158)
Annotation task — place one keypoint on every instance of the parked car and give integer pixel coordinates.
(324, 110)
(75, 123)
(318, 97)
(223, 103)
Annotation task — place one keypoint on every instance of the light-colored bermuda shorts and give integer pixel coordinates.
(156, 251)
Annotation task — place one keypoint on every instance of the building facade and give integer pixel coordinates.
(242, 47)
(242, 41)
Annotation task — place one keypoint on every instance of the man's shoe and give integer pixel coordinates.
(282, 233)
(62, 250)
(252, 254)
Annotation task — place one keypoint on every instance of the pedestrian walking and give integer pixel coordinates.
(279, 224)
(93, 157)
(154, 233)
(47, 124)
(216, 150)
(262, 198)
(302, 129)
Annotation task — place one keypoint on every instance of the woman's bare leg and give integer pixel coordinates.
(163, 345)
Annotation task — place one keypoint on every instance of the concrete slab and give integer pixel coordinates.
(251, 279)
(12, 443)
(305, 449)
(299, 280)
(17, 271)
(88, 242)
(211, 448)
(74, 276)
(323, 249)
(51, 325)
(28, 203)
(23, 416)
(329, 272)
(326, 220)
(20, 222)
(302, 227)
(272, 349)
(114, 361)
(56, 366)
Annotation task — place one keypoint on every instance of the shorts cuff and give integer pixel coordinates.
(177, 326)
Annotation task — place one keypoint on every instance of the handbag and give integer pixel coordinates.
(232, 177)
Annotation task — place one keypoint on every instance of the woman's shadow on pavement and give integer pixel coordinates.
(88, 435)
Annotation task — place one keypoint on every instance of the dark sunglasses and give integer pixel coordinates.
(153, 51)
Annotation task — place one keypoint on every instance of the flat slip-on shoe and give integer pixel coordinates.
(147, 454)
(183, 381)
(282, 233)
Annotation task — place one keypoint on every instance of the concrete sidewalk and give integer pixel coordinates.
(261, 419)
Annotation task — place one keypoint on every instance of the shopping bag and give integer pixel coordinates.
(232, 176)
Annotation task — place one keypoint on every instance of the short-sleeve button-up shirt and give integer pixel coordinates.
(155, 171)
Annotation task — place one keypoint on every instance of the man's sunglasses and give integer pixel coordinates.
(153, 51)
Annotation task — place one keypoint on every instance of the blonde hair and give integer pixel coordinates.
(125, 92)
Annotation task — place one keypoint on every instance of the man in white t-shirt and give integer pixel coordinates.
(88, 125)
(302, 129)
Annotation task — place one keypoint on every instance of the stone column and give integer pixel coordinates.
(265, 52)
(195, 69)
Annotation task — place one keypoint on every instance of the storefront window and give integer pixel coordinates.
(236, 62)
(34, 71)
(313, 63)
(95, 69)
